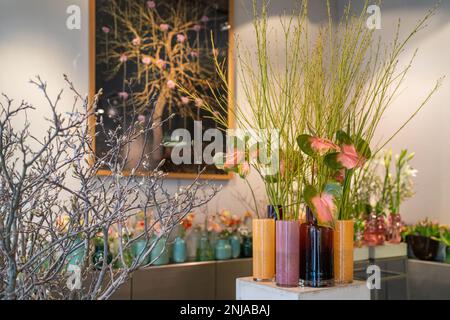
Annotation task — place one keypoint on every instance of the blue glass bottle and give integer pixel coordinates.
(139, 248)
(179, 254)
(223, 249)
(235, 242)
(160, 254)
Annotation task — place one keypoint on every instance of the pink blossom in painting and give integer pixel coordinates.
(106, 30)
(164, 27)
(181, 38)
(136, 41)
(123, 58)
(123, 95)
(185, 100)
(171, 84)
(146, 60)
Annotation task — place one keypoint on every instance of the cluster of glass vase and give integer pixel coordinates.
(304, 254)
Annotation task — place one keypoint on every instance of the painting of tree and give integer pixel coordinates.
(147, 54)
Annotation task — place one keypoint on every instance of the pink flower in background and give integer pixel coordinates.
(184, 100)
(141, 118)
(214, 226)
(164, 27)
(146, 60)
(244, 169)
(136, 41)
(161, 63)
(349, 157)
(205, 19)
(123, 58)
(194, 54)
(124, 95)
(322, 146)
(198, 102)
(325, 207)
(171, 84)
(181, 38)
(151, 4)
(197, 27)
(106, 29)
(233, 159)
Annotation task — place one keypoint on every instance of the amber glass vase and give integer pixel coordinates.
(343, 251)
(316, 253)
(287, 253)
(263, 249)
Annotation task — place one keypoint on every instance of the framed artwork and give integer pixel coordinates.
(144, 56)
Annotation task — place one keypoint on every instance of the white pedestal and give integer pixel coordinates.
(248, 289)
(388, 250)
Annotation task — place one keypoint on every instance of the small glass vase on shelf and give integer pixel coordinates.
(316, 253)
(394, 228)
(223, 249)
(374, 230)
(287, 253)
(204, 249)
(263, 249)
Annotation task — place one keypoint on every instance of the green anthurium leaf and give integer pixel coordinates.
(304, 142)
(363, 148)
(335, 189)
(343, 138)
(332, 162)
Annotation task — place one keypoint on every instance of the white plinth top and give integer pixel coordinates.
(248, 289)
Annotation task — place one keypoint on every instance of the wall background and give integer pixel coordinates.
(34, 40)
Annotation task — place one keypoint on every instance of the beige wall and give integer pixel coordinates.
(34, 40)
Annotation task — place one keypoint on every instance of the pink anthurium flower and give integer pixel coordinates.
(322, 146)
(349, 157)
(197, 27)
(151, 4)
(194, 54)
(141, 118)
(325, 207)
(106, 30)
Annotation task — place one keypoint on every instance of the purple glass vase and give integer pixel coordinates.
(316, 253)
(287, 253)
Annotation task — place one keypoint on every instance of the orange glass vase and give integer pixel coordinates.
(263, 249)
(343, 251)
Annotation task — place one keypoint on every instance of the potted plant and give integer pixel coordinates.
(423, 239)
(445, 238)
(400, 188)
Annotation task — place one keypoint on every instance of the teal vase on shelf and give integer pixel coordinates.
(448, 255)
(247, 247)
(179, 254)
(139, 248)
(235, 242)
(76, 256)
(223, 249)
(204, 250)
(160, 254)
